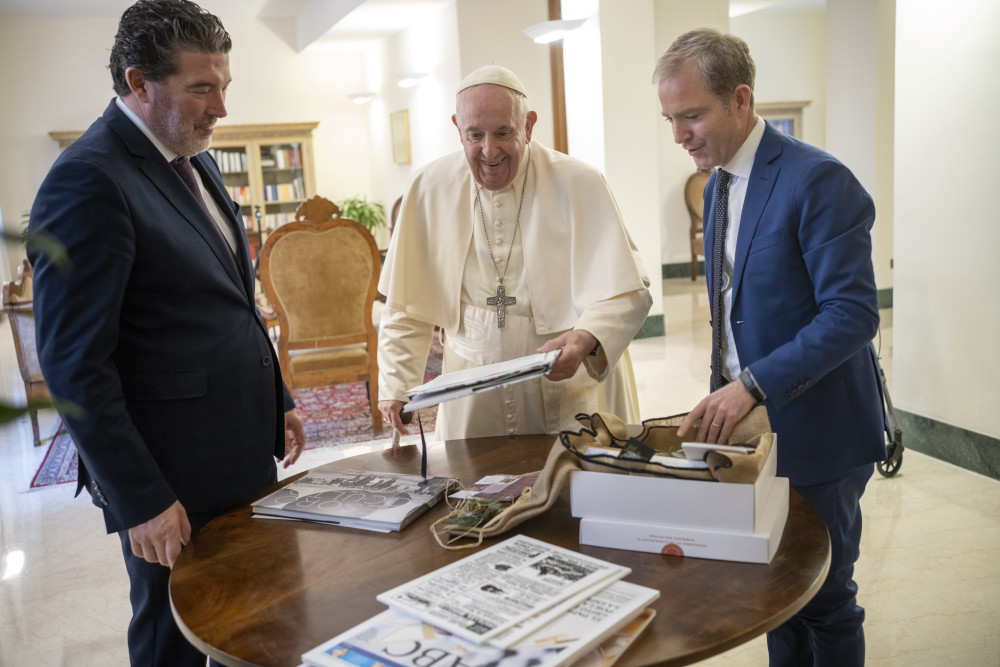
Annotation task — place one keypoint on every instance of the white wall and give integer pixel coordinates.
(946, 319)
(792, 68)
(490, 34)
(430, 46)
(584, 82)
(631, 113)
(859, 110)
(58, 91)
(66, 88)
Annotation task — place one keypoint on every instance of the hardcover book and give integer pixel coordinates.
(381, 501)
(450, 386)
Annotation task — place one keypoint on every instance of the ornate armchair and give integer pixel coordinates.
(17, 305)
(694, 191)
(320, 274)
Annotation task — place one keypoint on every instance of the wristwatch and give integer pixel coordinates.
(750, 382)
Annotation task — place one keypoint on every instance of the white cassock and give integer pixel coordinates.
(572, 265)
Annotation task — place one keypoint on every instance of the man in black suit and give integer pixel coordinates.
(151, 333)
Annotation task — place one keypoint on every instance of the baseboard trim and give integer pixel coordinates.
(970, 450)
(652, 327)
(680, 270)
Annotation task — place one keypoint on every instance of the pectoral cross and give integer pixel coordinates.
(501, 301)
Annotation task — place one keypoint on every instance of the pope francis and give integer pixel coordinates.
(513, 250)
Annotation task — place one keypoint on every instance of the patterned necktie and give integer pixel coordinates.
(718, 257)
(182, 165)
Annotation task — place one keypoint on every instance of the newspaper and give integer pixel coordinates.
(520, 582)
(354, 498)
(394, 639)
(449, 386)
(614, 646)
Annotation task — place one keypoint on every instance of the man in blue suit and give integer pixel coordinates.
(151, 333)
(793, 314)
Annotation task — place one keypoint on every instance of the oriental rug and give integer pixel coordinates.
(332, 415)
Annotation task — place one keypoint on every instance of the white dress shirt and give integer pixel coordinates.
(218, 216)
(740, 167)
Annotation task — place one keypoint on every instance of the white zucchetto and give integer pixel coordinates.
(495, 74)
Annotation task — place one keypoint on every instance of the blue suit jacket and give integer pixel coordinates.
(152, 332)
(805, 306)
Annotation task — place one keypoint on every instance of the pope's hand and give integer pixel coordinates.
(391, 415)
(575, 345)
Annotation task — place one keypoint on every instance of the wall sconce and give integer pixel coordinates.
(550, 31)
(361, 98)
(409, 79)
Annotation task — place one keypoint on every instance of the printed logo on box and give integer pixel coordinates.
(671, 549)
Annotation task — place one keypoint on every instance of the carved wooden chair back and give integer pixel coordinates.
(694, 191)
(17, 304)
(320, 274)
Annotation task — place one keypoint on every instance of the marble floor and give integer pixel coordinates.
(929, 573)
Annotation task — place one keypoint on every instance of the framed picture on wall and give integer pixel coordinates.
(399, 124)
(785, 116)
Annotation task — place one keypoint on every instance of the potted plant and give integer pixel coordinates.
(369, 214)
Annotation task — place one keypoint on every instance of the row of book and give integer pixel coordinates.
(285, 157)
(230, 162)
(235, 161)
(239, 193)
(275, 220)
(520, 602)
(295, 189)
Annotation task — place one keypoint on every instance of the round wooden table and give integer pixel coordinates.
(262, 592)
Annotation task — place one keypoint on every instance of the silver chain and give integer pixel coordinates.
(517, 224)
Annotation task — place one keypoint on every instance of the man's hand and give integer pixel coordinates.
(575, 345)
(719, 413)
(391, 414)
(295, 438)
(160, 539)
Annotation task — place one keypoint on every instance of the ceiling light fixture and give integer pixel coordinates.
(409, 79)
(550, 31)
(361, 98)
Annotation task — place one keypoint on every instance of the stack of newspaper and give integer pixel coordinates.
(519, 602)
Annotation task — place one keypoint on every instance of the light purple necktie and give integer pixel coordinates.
(182, 165)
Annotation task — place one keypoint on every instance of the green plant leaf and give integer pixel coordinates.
(369, 214)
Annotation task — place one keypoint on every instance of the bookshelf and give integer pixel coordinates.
(267, 168)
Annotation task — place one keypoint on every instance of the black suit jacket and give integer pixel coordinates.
(152, 333)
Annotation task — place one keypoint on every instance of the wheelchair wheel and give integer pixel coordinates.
(893, 462)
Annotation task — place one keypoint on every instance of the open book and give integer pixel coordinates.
(450, 386)
(380, 501)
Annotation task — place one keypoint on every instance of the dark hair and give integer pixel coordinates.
(724, 61)
(151, 32)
